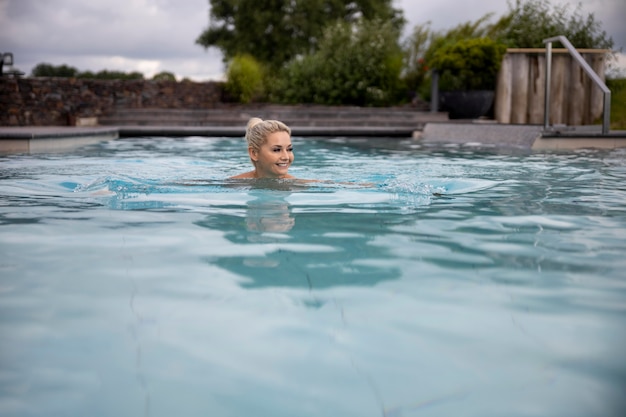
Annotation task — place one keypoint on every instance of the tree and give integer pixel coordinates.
(275, 31)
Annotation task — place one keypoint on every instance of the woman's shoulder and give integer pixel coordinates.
(252, 175)
(243, 176)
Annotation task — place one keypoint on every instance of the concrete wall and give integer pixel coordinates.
(574, 98)
(70, 101)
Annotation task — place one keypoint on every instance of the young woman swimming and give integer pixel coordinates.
(270, 149)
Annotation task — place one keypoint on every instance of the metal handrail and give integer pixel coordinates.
(606, 119)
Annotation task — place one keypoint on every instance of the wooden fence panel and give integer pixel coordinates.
(502, 108)
(574, 99)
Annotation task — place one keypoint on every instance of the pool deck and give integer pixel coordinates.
(530, 137)
(471, 133)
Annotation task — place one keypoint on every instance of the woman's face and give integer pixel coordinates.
(274, 157)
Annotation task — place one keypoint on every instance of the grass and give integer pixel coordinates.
(618, 103)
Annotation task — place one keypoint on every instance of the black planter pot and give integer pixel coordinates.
(466, 104)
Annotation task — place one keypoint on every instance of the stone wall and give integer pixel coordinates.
(64, 101)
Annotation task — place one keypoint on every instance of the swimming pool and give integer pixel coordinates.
(412, 281)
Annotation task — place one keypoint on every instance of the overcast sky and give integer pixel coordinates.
(159, 35)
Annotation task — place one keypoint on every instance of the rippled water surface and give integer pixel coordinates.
(135, 280)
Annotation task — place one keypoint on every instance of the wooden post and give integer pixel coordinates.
(434, 91)
(576, 103)
(519, 96)
(502, 110)
(595, 95)
(559, 87)
(536, 88)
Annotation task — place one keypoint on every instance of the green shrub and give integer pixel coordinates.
(356, 64)
(420, 48)
(244, 78)
(618, 102)
(468, 64)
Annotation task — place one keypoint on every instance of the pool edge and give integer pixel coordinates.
(531, 137)
(52, 138)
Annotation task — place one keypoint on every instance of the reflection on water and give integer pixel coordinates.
(269, 215)
(310, 257)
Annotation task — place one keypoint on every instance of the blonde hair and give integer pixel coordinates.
(258, 130)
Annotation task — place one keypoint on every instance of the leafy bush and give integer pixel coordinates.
(244, 78)
(420, 48)
(469, 64)
(618, 102)
(356, 64)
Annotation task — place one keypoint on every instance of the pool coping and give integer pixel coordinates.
(33, 139)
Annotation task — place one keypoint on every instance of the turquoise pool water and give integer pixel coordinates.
(413, 281)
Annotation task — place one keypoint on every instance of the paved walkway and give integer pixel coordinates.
(516, 136)
(531, 137)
